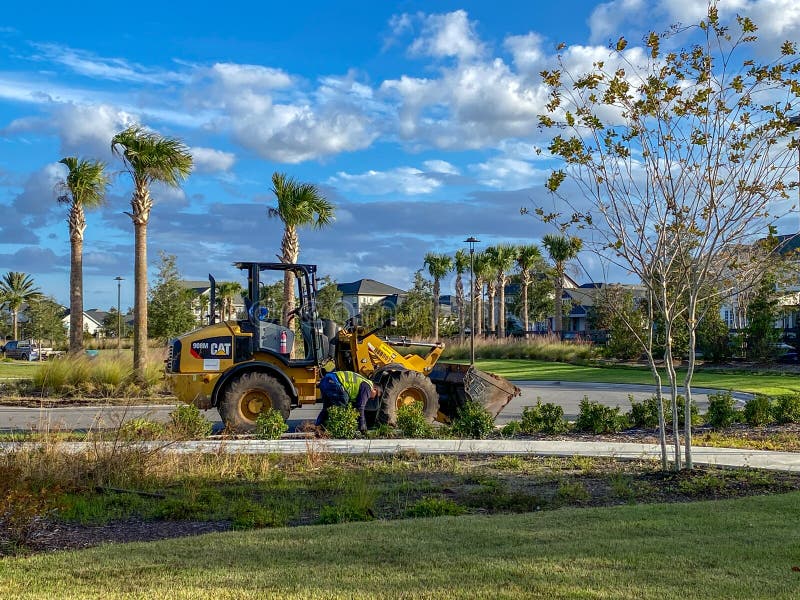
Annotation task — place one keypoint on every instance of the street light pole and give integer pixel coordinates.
(472, 241)
(119, 281)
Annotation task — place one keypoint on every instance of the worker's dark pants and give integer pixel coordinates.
(333, 394)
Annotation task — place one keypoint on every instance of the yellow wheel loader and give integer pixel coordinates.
(245, 366)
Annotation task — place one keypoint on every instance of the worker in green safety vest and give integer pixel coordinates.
(341, 388)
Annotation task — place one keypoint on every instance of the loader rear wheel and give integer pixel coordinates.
(249, 395)
(405, 388)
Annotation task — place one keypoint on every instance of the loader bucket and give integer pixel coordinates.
(456, 384)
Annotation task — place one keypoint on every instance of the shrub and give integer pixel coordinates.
(543, 418)
(411, 421)
(473, 422)
(22, 517)
(187, 422)
(758, 410)
(598, 418)
(342, 422)
(270, 425)
(511, 429)
(141, 429)
(434, 507)
(786, 408)
(721, 410)
(644, 414)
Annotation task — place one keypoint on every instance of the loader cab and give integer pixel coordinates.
(297, 340)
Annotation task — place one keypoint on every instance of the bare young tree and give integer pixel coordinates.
(682, 159)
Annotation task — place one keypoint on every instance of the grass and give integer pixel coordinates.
(533, 370)
(743, 548)
(17, 369)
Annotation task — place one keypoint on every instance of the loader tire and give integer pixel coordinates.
(404, 388)
(247, 396)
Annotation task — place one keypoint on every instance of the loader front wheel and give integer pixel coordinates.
(405, 388)
(249, 395)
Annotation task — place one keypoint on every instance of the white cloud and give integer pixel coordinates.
(441, 166)
(504, 173)
(97, 67)
(777, 20)
(527, 52)
(446, 35)
(403, 180)
(209, 160)
(235, 76)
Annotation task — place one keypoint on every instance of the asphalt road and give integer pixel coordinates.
(567, 395)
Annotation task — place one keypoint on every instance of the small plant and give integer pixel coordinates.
(342, 422)
(22, 517)
(434, 507)
(411, 421)
(786, 408)
(509, 463)
(473, 422)
(758, 410)
(573, 493)
(186, 422)
(598, 418)
(141, 429)
(511, 429)
(383, 430)
(543, 418)
(721, 410)
(250, 515)
(270, 425)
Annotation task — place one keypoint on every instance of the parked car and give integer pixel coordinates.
(22, 350)
(789, 358)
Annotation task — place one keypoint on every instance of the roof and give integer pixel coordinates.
(368, 287)
(199, 286)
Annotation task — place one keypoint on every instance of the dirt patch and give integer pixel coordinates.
(55, 535)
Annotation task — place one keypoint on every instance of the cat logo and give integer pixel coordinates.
(220, 349)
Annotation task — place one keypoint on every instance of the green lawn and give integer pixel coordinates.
(744, 548)
(17, 369)
(535, 370)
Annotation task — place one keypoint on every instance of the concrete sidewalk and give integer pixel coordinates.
(725, 457)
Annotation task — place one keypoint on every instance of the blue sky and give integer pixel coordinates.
(417, 119)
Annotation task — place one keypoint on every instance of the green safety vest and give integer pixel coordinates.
(351, 382)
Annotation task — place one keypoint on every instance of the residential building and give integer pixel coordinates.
(359, 294)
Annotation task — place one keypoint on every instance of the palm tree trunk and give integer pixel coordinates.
(290, 248)
(76, 295)
(501, 309)
(460, 307)
(558, 307)
(140, 298)
(14, 322)
(477, 305)
(491, 292)
(436, 309)
(525, 316)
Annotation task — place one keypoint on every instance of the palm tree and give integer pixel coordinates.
(84, 188)
(528, 258)
(491, 289)
(226, 292)
(460, 265)
(483, 273)
(15, 290)
(438, 265)
(299, 205)
(561, 249)
(502, 257)
(147, 157)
